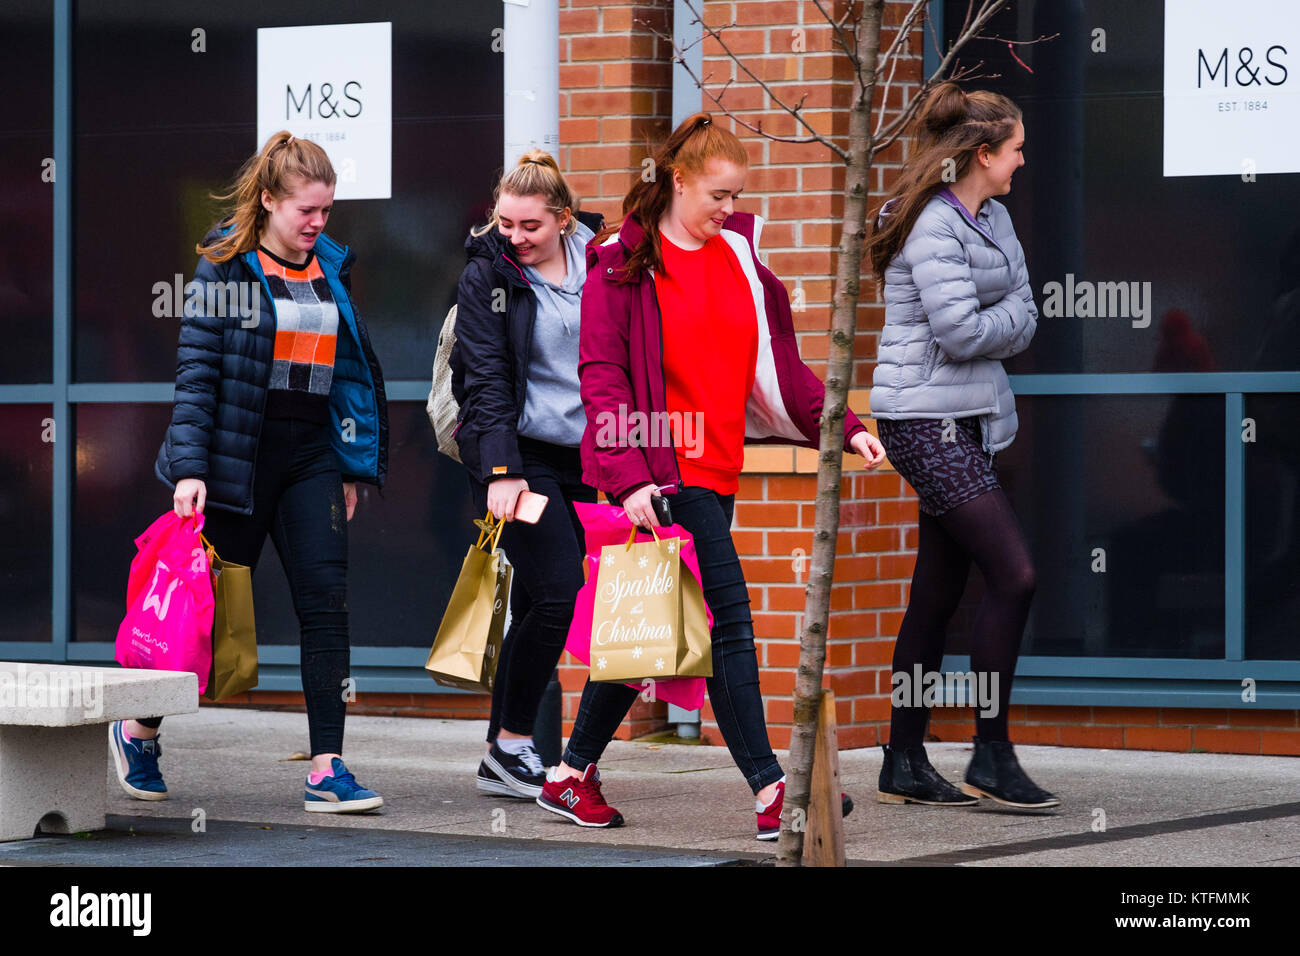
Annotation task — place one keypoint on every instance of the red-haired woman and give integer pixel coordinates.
(681, 322)
(957, 301)
(277, 415)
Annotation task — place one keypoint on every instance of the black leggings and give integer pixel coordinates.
(547, 561)
(298, 500)
(986, 531)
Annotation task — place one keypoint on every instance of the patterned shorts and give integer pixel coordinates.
(944, 474)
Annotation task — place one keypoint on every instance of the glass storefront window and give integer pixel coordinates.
(26, 192)
(115, 497)
(1272, 527)
(146, 164)
(1130, 484)
(1206, 265)
(26, 559)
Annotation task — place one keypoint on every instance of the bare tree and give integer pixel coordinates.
(856, 27)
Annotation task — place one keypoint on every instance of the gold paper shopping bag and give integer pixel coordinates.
(649, 619)
(467, 647)
(234, 629)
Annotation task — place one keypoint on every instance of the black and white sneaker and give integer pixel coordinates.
(489, 782)
(516, 775)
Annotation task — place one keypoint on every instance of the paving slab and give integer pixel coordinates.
(1120, 808)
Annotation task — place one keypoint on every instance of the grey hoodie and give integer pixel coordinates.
(957, 299)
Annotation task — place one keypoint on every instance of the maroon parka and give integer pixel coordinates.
(620, 365)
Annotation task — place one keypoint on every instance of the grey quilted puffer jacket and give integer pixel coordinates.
(957, 299)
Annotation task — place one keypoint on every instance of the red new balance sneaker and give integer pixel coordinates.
(579, 799)
(769, 817)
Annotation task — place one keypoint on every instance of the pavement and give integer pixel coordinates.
(236, 799)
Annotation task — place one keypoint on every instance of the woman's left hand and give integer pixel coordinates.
(350, 497)
(869, 447)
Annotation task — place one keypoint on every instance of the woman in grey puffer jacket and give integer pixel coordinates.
(957, 301)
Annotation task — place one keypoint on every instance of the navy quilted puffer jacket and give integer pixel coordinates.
(223, 367)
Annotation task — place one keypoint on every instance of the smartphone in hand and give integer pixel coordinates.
(529, 507)
(662, 511)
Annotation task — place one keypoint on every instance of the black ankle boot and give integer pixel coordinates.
(907, 777)
(995, 773)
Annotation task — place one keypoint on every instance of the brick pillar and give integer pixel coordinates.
(615, 101)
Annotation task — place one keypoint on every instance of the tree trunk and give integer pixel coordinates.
(839, 376)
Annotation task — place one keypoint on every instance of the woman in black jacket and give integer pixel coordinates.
(279, 411)
(515, 376)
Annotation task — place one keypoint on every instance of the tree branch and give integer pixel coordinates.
(716, 33)
(970, 29)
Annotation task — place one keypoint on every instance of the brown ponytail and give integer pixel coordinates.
(284, 164)
(950, 128)
(688, 148)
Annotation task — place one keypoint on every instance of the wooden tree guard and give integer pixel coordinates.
(823, 843)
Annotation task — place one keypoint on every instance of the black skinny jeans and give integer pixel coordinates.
(733, 688)
(298, 500)
(547, 561)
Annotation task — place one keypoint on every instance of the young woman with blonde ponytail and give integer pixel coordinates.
(515, 377)
(278, 414)
(957, 301)
(680, 319)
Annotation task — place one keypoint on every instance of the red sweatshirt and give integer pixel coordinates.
(710, 350)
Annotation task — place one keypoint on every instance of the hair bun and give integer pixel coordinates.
(944, 108)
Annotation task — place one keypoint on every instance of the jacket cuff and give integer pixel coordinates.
(624, 492)
(852, 425)
(499, 457)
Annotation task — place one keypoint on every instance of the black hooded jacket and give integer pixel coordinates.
(495, 311)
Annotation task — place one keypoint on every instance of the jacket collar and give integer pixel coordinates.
(496, 249)
(632, 232)
(980, 224)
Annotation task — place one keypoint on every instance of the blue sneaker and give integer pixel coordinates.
(340, 793)
(136, 762)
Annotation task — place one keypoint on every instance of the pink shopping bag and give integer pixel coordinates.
(608, 524)
(169, 605)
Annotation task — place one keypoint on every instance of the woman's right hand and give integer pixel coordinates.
(187, 490)
(638, 509)
(503, 495)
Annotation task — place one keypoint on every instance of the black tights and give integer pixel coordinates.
(984, 530)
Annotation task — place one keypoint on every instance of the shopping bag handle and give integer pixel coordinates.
(208, 544)
(489, 529)
(631, 538)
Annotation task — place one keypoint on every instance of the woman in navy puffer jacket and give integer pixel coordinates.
(957, 301)
(279, 411)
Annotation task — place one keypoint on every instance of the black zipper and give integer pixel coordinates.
(528, 336)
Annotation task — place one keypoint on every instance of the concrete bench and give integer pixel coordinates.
(53, 735)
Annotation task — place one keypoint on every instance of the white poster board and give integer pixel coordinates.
(333, 85)
(1232, 87)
